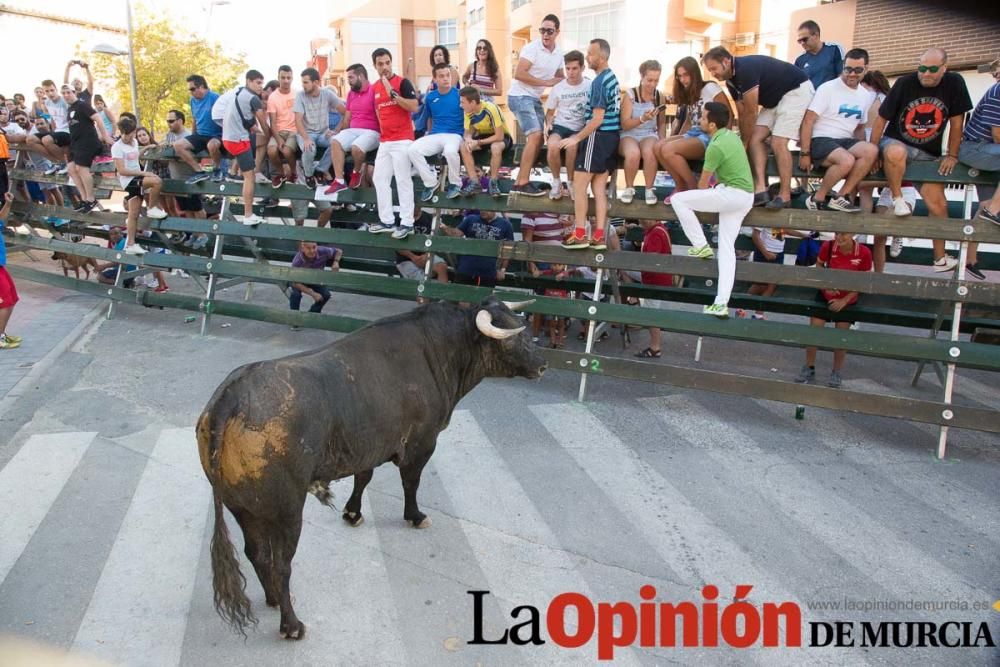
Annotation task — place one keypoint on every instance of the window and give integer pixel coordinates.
(579, 26)
(514, 4)
(448, 33)
(369, 34)
(476, 15)
(424, 37)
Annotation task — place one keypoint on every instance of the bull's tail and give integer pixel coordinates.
(228, 583)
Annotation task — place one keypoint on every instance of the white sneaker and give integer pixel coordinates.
(651, 196)
(901, 208)
(896, 247)
(252, 220)
(627, 195)
(135, 249)
(946, 263)
(156, 212)
(555, 194)
(262, 179)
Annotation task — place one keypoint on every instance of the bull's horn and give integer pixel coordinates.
(484, 322)
(518, 305)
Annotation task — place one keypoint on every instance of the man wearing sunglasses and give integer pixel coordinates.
(821, 61)
(539, 66)
(206, 134)
(911, 125)
(833, 136)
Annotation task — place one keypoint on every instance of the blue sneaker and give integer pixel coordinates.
(452, 191)
(197, 178)
(218, 176)
(427, 194)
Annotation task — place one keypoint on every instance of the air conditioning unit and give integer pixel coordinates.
(745, 38)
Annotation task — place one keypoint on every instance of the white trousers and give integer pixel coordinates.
(391, 160)
(732, 205)
(436, 144)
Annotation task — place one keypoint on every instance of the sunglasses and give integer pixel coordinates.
(854, 70)
(547, 31)
(481, 48)
(171, 120)
(933, 69)
(191, 89)
(802, 40)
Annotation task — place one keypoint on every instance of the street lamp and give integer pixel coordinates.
(209, 6)
(110, 50)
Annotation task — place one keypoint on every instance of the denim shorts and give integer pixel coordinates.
(980, 155)
(528, 112)
(912, 152)
(697, 133)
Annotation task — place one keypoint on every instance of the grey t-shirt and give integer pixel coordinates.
(178, 169)
(315, 110)
(247, 103)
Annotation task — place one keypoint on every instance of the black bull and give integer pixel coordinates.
(276, 430)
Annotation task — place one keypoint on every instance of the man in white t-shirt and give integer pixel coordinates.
(539, 66)
(565, 115)
(125, 153)
(833, 135)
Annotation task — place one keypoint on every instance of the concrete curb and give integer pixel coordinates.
(46, 362)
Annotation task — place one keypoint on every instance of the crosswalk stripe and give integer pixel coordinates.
(341, 586)
(662, 513)
(145, 589)
(506, 530)
(29, 485)
(964, 504)
(853, 535)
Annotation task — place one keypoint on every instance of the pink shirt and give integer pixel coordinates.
(362, 108)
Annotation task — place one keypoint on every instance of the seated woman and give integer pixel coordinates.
(690, 92)
(483, 73)
(643, 126)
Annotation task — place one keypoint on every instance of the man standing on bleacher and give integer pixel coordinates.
(395, 100)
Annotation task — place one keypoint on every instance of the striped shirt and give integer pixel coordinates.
(545, 229)
(985, 117)
(605, 93)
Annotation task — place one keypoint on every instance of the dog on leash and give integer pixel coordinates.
(75, 262)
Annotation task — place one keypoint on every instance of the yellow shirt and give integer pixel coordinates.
(485, 123)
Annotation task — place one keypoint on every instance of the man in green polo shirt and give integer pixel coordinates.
(731, 198)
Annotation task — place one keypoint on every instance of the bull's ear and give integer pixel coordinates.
(490, 301)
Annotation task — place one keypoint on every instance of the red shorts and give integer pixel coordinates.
(234, 148)
(8, 293)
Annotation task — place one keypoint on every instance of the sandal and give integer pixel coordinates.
(649, 353)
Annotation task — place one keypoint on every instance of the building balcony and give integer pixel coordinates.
(710, 11)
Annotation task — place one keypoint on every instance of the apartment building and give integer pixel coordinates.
(638, 30)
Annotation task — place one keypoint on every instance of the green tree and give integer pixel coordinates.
(164, 58)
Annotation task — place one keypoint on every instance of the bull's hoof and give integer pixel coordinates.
(298, 632)
(353, 518)
(421, 523)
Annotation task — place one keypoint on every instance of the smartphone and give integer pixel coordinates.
(660, 108)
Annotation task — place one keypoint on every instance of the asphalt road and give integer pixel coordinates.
(105, 513)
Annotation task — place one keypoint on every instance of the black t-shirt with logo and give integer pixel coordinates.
(772, 77)
(81, 127)
(918, 116)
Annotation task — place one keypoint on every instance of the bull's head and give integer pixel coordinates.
(510, 352)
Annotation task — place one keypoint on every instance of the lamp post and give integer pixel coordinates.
(212, 4)
(111, 50)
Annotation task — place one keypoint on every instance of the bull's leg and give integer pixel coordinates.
(257, 547)
(321, 490)
(352, 510)
(283, 544)
(410, 474)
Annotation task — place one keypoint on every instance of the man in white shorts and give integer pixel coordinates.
(771, 97)
(362, 133)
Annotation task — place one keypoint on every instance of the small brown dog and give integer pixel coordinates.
(75, 262)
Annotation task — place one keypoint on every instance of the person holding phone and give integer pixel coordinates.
(643, 126)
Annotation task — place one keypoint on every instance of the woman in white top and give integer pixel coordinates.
(643, 125)
(692, 92)
(484, 72)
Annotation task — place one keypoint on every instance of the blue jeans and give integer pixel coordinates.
(309, 164)
(295, 298)
(980, 155)
(529, 113)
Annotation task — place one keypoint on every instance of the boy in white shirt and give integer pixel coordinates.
(565, 115)
(125, 153)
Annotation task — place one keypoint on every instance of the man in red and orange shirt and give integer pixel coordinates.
(655, 239)
(395, 100)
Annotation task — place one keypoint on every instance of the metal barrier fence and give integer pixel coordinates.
(947, 296)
